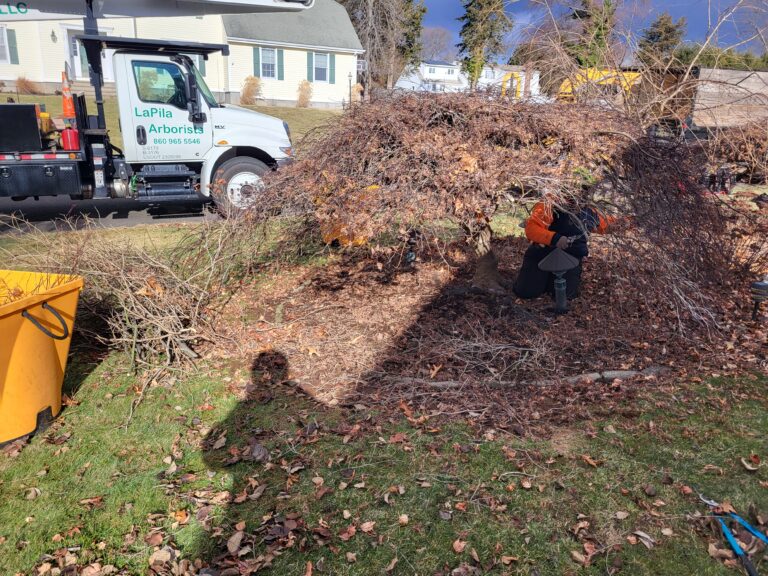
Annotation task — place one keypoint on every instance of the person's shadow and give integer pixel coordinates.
(247, 464)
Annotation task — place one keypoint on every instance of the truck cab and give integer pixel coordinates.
(170, 117)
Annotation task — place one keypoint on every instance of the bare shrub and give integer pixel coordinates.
(304, 98)
(251, 92)
(25, 86)
(156, 301)
(407, 160)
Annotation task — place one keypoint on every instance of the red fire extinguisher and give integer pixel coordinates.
(70, 138)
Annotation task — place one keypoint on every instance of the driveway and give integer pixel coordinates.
(46, 214)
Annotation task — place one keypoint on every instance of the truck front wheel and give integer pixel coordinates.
(238, 184)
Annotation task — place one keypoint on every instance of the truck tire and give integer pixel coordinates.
(237, 185)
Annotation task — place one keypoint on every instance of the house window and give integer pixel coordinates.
(451, 71)
(268, 63)
(431, 70)
(5, 56)
(489, 74)
(321, 67)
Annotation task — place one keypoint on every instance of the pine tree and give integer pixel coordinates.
(660, 40)
(592, 48)
(485, 24)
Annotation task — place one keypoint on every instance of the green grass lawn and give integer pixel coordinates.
(301, 120)
(103, 483)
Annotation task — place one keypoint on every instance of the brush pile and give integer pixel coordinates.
(406, 161)
(745, 149)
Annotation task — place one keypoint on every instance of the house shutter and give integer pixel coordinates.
(257, 62)
(311, 66)
(201, 61)
(13, 48)
(332, 68)
(280, 65)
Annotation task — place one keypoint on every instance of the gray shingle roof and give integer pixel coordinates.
(438, 63)
(326, 24)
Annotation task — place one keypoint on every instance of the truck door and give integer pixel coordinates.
(154, 114)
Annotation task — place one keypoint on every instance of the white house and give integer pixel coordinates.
(439, 76)
(283, 49)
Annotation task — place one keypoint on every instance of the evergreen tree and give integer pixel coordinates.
(659, 41)
(485, 24)
(716, 57)
(591, 48)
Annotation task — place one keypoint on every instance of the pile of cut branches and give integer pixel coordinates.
(405, 161)
(745, 148)
(156, 301)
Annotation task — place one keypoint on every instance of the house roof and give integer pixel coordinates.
(325, 25)
(438, 63)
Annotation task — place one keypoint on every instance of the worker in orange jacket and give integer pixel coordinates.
(548, 228)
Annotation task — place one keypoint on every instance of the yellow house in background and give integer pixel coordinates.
(283, 49)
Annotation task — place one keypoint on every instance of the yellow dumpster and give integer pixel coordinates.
(37, 315)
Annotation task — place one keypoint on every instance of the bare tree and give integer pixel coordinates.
(390, 32)
(437, 43)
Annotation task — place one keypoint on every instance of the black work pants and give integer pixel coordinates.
(532, 282)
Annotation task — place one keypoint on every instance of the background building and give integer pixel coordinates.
(283, 49)
(439, 76)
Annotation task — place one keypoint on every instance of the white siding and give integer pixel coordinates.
(42, 60)
(241, 65)
(206, 29)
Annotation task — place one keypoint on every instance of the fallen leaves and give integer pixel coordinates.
(92, 503)
(621, 515)
(367, 527)
(751, 466)
(234, 542)
(348, 533)
(459, 545)
(591, 461)
(403, 520)
(33, 493)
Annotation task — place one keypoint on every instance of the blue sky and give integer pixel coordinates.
(444, 13)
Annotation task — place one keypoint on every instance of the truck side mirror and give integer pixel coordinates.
(196, 115)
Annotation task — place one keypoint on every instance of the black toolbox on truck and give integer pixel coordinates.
(39, 178)
(19, 131)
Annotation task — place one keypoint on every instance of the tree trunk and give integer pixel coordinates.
(487, 265)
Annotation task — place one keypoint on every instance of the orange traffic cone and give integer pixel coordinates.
(67, 101)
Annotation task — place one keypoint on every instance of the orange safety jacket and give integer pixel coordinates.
(547, 225)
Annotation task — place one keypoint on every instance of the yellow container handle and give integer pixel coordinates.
(43, 329)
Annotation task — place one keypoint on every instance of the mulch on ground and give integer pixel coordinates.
(370, 329)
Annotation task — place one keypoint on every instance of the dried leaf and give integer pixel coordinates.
(507, 560)
(591, 461)
(351, 557)
(579, 558)
(367, 527)
(621, 515)
(720, 553)
(348, 533)
(646, 539)
(403, 520)
(234, 542)
(459, 545)
(749, 466)
(391, 565)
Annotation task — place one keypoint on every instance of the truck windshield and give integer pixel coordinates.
(204, 90)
